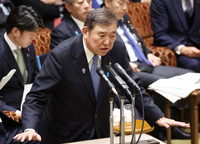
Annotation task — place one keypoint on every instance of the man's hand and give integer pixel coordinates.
(134, 67)
(16, 116)
(156, 61)
(29, 135)
(165, 122)
(190, 52)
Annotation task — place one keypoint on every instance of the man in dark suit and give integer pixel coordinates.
(73, 21)
(21, 23)
(65, 93)
(150, 70)
(176, 25)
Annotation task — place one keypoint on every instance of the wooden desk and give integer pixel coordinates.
(193, 99)
(116, 140)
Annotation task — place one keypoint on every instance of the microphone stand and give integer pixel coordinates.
(133, 120)
(122, 119)
(111, 99)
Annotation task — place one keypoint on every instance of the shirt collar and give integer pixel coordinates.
(78, 22)
(88, 53)
(10, 43)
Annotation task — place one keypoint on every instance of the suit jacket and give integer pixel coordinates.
(64, 90)
(170, 25)
(68, 28)
(12, 92)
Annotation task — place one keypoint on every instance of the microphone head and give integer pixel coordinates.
(99, 71)
(117, 67)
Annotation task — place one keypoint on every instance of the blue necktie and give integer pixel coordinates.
(94, 75)
(138, 52)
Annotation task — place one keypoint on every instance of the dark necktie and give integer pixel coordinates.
(138, 52)
(94, 75)
(189, 9)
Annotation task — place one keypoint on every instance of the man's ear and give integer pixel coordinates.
(85, 31)
(68, 7)
(15, 31)
(106, 2)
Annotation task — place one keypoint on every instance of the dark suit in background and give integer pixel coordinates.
(11, 93)
(68, 28)
(68, 78)
(171, 29)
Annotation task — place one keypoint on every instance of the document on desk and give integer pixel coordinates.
(177, 87)
(27, 88)
(6, 78)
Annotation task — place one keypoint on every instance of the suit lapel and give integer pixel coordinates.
(8, 55)
(73, 26)
(82, 69)
(179, 10)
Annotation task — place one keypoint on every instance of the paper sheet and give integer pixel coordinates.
(6, 78)
(27, 88)
(177, 87)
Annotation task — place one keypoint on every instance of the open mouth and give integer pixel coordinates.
(104, 49)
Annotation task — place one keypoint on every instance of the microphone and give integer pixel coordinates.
(125, 76)
(101, 73)
(119, 81)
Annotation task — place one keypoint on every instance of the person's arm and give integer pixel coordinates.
(156, 61)
(44, 85)
(152, 112)
(165, 122)
(29, 135)
(190, 51)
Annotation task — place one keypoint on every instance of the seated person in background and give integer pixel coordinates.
(50, 12)
(73, 21)
(176, 26)
(5, 8)
(143, 62)
(79, 107)
(21, 26)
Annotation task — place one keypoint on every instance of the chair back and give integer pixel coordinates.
(42, 41)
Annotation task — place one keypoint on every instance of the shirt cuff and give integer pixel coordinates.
(29, 129)
(178, 48)
(17, 112)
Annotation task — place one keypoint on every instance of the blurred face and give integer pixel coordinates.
(79, 8)
(22, 39)
(118, 7)
(100, 39)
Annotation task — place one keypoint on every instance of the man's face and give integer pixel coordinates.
(79, 8)
(24, 39)
(118, 7)
(100, 39)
